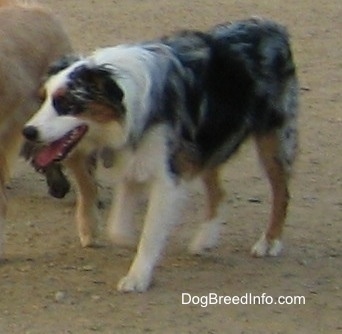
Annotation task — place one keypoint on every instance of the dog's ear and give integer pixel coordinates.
(112, 91)
(96, 89)
(101, 80)
(62, 64)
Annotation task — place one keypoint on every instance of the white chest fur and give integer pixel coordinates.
(147, 161)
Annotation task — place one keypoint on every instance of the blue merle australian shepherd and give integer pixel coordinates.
(172, 110)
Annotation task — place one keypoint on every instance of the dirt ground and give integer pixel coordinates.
(49, 284)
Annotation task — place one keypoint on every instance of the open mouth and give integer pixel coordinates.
(59, 149)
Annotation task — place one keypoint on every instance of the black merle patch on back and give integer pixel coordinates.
(233, 84)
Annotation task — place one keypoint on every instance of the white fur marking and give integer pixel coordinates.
(264, 247)
(208, 234)
(50, 125)
(206, 238)
(163, 213)
(120, 220)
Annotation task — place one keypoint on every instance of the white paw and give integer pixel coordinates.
(206, 239)
(265, 247)
(134, 283)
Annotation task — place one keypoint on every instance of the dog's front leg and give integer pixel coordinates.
(164, 211)
(120, 221)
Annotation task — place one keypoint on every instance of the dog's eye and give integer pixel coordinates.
(62, 105)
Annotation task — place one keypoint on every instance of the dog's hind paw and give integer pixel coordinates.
(206, 239)
(264, 247)
(133, 283)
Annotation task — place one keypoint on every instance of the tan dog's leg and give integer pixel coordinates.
(10, 141)
(86, 210)
(207, 236)
(277, 160)
(3, 202)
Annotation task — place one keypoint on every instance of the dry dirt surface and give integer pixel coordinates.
(49, 284)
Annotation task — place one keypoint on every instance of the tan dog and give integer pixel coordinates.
(30, 39)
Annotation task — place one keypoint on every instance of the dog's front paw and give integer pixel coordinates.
(134, 283)
(265, 247)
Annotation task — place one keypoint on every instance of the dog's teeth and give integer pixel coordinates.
(68, 142)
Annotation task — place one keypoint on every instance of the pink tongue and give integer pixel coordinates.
(58, 149)
(48, 154)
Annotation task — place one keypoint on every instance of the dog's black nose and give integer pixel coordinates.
(30, 132)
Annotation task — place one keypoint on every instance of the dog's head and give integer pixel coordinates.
(76, 96)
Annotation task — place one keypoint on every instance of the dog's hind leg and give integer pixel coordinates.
(86, 210)
(208, 234)
(277, 152)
